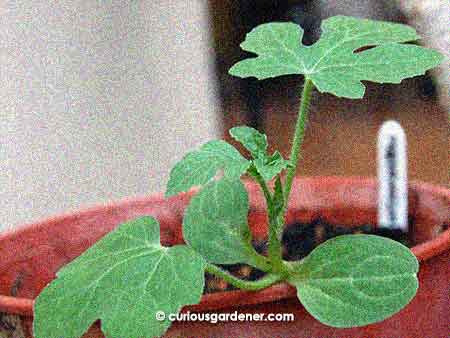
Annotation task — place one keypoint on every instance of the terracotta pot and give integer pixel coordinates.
(30, 256)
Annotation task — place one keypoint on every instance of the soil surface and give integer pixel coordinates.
(10, 326)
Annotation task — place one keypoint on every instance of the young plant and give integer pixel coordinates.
(353, 280)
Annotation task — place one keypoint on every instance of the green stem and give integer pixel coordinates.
(259, 261)
(262, 283)
(274, 249)
(298, 140)
(265, 189)
(276, 222)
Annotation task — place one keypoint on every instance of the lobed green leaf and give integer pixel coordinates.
(200, 166)
(269, 166)
(254, 141)
(355, 280)
(123, 279)
(332, 63)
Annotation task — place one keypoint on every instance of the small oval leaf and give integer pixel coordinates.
(355, 280)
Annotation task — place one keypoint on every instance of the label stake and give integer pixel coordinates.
(392, 177)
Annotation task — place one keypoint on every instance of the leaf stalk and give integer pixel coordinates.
(298, 138)
(259, 284)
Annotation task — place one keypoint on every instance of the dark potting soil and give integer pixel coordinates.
(11, 326)
(298, 240)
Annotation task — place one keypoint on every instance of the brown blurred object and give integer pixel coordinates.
(341, 133)
(231, 21)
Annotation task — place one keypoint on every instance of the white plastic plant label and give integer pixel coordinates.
(392, 177)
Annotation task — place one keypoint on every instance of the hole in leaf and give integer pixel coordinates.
(359, 50)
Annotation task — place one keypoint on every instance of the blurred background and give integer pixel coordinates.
(99, 101)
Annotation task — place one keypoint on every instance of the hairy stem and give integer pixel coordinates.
(262, 283)
(298, 138)
(265, 189)
(274, 250)
(259, 261)
(276, 222)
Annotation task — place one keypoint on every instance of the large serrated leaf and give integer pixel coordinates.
(124, 279)
(215, 223)
(200, 166)
(355, 280)
(331, 63)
